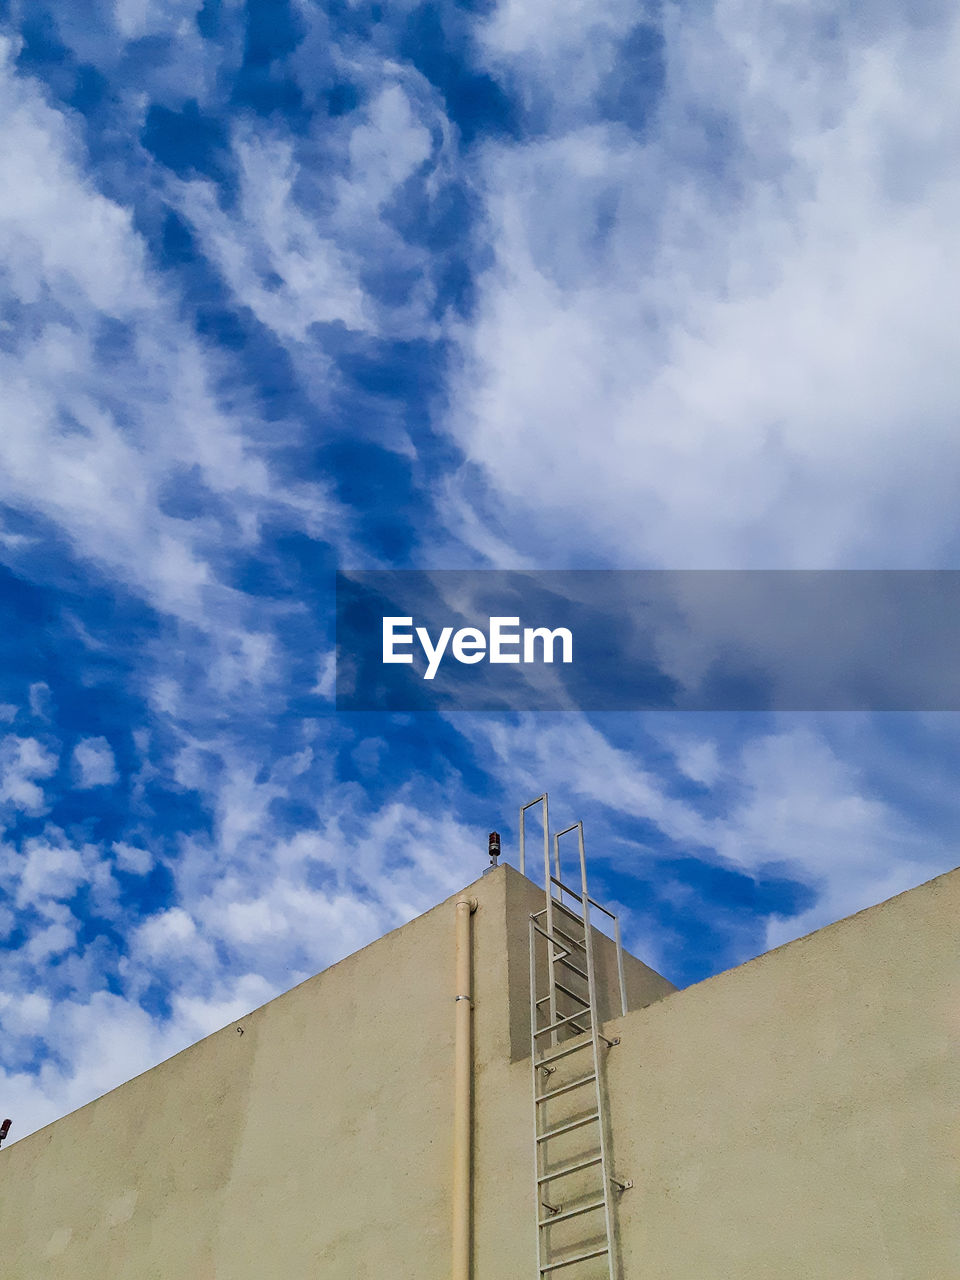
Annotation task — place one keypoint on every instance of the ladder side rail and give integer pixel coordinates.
(551, 959)
(595, 1039)
(537, 1144)
(522, 826)
(557, 879)
(552, 956)
(554, 878)
(617, 935)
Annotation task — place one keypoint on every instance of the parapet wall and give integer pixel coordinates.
(799, 1116)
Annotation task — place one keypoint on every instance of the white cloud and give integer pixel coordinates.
(297, 254)
(103, 1041)
(94, 764)
(252, 913)
(804, 806)
(46, 871)
(103, 475)
(51, 941)
(690, 347)
(254, 910)
(326, 686)
(787, 802)
(195, 1016)
(50, 868)
(24, 764)
(129, 858)
(385, 150)
(697, 758)
(275, 256)
(93, 256)
(39, 700)
(26, 1015)
(136, 19)
(558, 50)
(725, 339)
(172, 936)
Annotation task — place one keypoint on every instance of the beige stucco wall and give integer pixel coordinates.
(799, 1116)
(795, 1117)
(315, 1144)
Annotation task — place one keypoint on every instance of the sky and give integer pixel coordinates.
(288, 287)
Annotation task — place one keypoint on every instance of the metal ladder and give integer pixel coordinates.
(566, 1064)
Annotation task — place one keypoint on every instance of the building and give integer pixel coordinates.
(793, 1118)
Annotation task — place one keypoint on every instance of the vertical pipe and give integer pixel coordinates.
(462, 1093)
(551, 948)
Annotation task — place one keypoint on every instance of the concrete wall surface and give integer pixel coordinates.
(315, 1144)
(799, 1117)
(792, 1118)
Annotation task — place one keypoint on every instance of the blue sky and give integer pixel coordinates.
(287, 287)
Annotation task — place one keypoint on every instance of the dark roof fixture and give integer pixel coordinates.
(494, 847)
(4, 1129)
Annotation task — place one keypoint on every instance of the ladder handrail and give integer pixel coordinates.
(573, 893)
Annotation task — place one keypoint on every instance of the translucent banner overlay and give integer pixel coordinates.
(632, 640)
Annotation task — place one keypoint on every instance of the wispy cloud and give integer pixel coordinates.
(286, 288)
(93, 763)
(782, 800)
(24, 764)
(712, 336)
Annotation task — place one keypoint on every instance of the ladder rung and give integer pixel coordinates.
(571, 1124)
(566, 888)
(572, 1213)
(573, 894)
(563, 1022)
(549, 935)
(577, 1257)
(570, 965)
(565, 1088)
(577, 942)
(568, 910)
(567, 992)
(569, 1168)
(575, 995)
(562, 1053)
